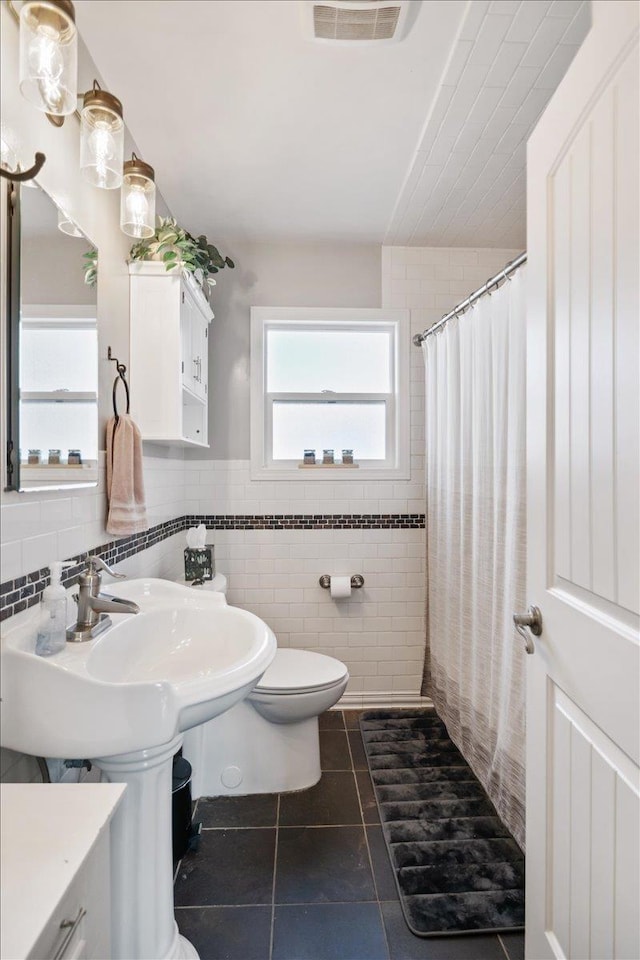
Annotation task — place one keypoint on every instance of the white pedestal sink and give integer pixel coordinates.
(124, 700)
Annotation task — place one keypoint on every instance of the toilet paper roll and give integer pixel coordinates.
(340, 587)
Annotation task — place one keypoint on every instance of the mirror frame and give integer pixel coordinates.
(12, 370)
(13, 303)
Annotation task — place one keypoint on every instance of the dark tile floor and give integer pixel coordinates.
(306, 876)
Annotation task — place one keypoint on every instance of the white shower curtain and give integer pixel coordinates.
(475, 468)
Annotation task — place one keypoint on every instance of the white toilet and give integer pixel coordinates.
(268, 743)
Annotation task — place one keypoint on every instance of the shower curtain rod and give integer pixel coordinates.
(503, 274)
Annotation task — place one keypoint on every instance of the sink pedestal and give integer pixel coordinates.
(143, 924)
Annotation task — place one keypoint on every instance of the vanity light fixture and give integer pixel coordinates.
(66, 225)
(101, 138)
(49, 56)
(138, 199)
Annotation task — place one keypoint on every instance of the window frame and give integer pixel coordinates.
(68, 317)
(397, 403)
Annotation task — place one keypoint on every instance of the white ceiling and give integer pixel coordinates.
(256, 132)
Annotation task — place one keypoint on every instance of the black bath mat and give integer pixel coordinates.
(457, 868)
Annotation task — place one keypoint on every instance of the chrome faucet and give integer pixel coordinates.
(93, 606)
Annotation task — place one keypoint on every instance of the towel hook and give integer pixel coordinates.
(120, 367)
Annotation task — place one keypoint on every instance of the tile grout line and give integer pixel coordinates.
(294, 826)
(366, 841)
(502, 944)
(293, 903)
(273, 884)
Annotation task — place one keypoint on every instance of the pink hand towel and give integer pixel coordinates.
(127, 511)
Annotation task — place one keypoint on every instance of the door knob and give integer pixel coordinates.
(529, 621)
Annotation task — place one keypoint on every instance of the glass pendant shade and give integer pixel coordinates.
(138, 199)
(49, 56)
(8, 158)
(101, 139)
(66, 225)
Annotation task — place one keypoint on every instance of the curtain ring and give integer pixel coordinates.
(506, 267)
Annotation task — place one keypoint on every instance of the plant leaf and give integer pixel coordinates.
(175, 245)
(216, 259)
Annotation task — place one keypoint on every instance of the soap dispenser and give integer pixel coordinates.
(52, 626)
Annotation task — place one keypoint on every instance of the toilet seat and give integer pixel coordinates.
(300, 671)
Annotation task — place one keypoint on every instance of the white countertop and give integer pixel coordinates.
(47, 832)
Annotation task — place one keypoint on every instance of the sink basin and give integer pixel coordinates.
(186, 657)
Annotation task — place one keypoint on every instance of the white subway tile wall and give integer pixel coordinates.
(38, 527)
(378, 632)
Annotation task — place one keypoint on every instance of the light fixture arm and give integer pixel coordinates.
(19, 176)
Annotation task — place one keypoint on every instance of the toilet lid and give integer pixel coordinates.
(299, 671)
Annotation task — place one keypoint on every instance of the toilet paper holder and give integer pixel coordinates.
(357, 581)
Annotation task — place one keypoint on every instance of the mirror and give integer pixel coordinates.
(53, 349)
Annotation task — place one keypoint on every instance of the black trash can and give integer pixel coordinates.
(181, 807)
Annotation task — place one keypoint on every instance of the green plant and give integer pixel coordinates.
(90, 267)
(173, 245)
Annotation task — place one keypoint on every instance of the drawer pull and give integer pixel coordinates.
(70, 926)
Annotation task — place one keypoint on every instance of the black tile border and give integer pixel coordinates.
(304, 521)
(25, 591)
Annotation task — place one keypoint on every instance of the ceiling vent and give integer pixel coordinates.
(355, 21)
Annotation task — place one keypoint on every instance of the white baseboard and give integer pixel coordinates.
(372, 701)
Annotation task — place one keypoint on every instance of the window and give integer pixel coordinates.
(329, 379)
(59, 381)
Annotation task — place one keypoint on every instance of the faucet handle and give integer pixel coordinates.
(97, 563)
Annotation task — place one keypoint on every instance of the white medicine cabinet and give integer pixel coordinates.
(169, 363)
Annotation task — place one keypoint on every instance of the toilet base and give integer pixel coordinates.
(239, 752)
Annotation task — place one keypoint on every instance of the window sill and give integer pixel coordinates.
(328, 466)
(330, 472)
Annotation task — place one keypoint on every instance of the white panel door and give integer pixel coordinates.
(583, 476)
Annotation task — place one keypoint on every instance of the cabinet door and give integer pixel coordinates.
(195, 346)
(189, 366)
(80, 926)
(200, 347)
(185, 339)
